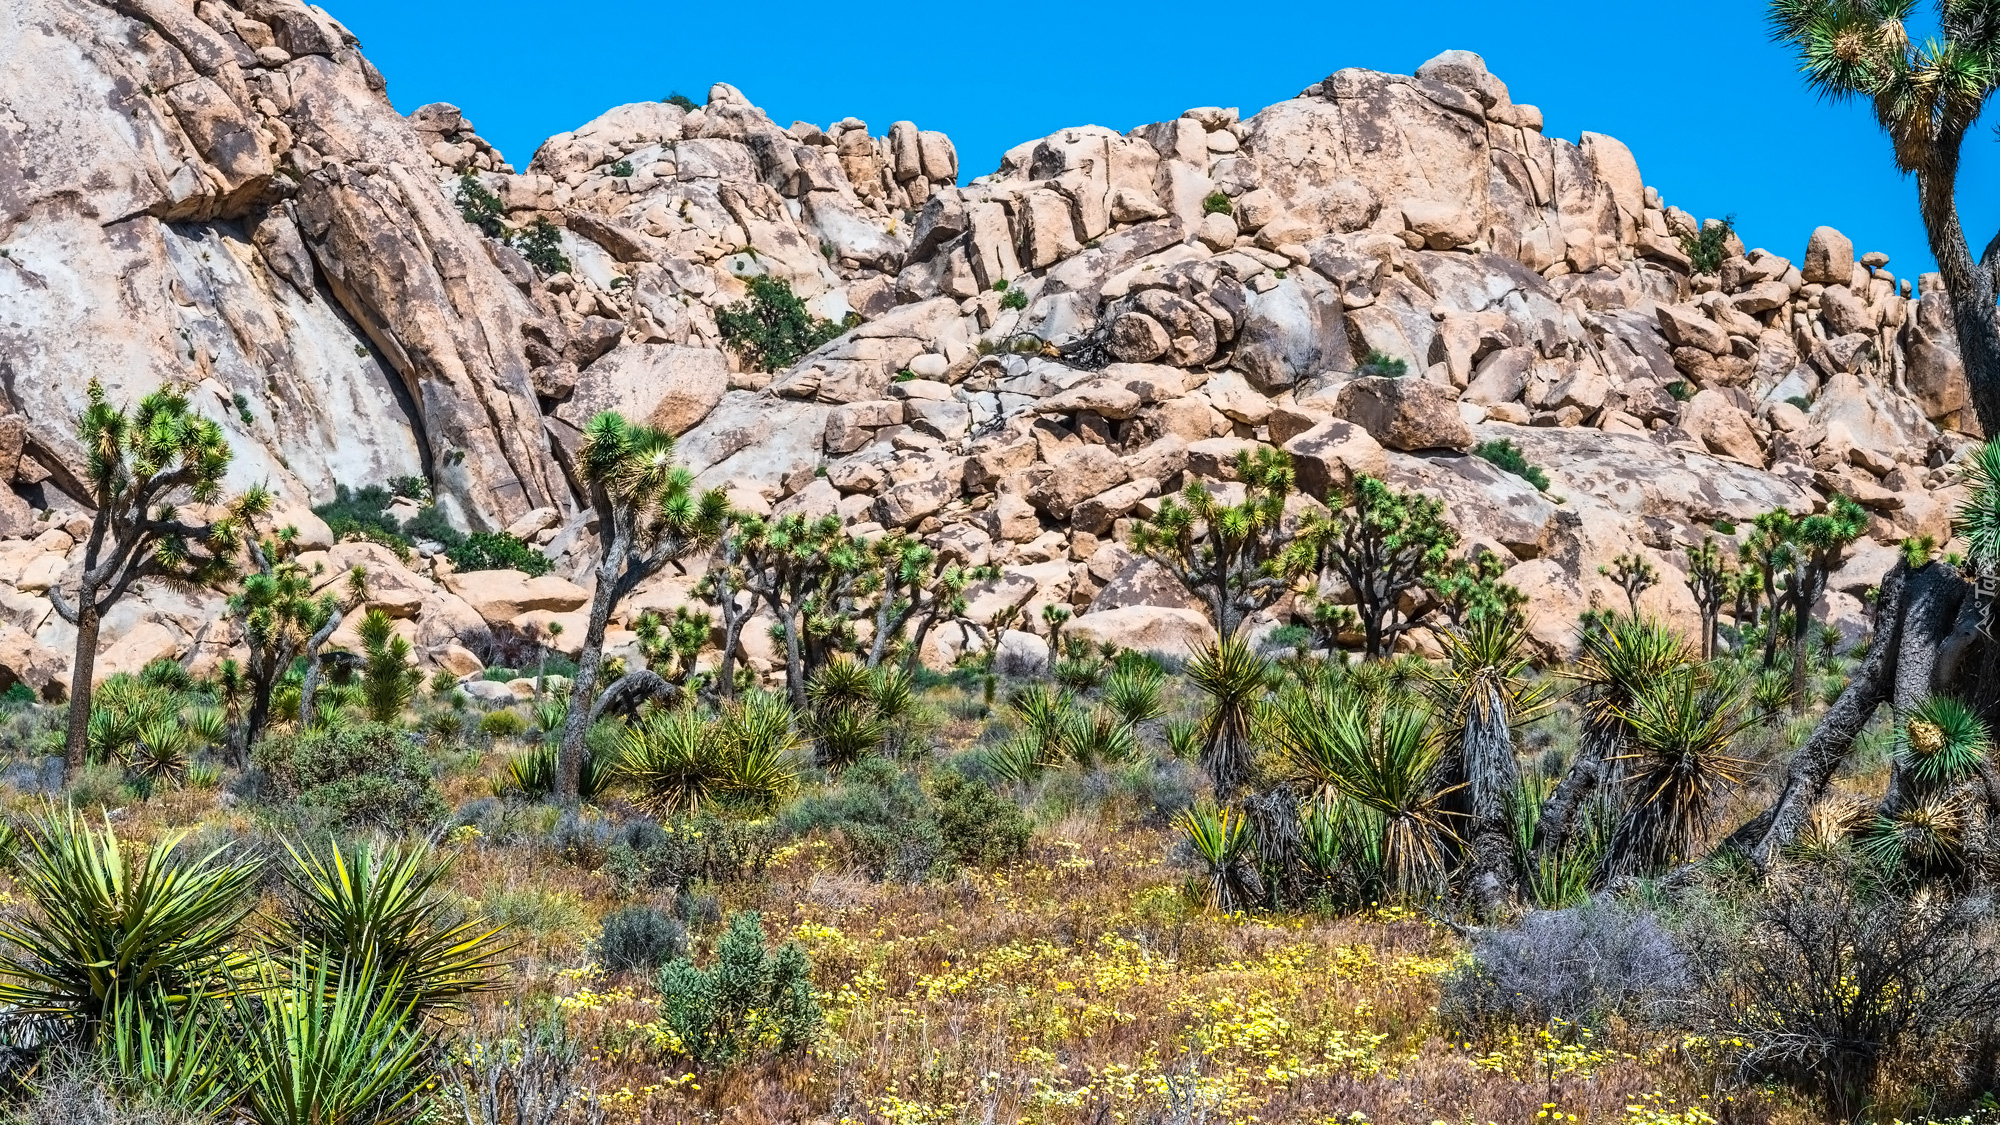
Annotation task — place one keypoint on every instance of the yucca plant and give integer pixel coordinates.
(1389, 764)
(109, 930)
(387, 908)
(1771, 692)
(1926, 836)
(1828, 833)
(1041, 711)
(1220, 838)
(1233, 677)
(533, 773)
(161, 753)
(760, 741)
(1019, 760)
(1679, 769)
(1096, 738)
(178, 1051)
(1133, 694)
(389, 678)
(671, 762)
(334, 1042)
(1184, 738)
(1941, 741)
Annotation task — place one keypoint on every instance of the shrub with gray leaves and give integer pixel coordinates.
(1580, 965)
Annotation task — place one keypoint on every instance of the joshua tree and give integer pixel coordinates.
(1808, 552)
(807, 572)
(1710, 580)
(648, 515)
(1383, 545)
(1634, 575)
(1927, 96)
(1486, 693)
(915, 588)
(141, 464)
(1231, 556)
(721, 585)
(282, 621)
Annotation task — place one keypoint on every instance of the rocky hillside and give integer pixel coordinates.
(220, 194)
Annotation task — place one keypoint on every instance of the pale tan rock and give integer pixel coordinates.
(504, 595)
(1160, 630)
(1405, 414)
(666, 386)
(1829, 258)
(1327, 458)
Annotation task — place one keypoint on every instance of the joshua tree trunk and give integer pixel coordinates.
(1969, 284)
(795, 660)
(1588, 774)
(569, 758)
(310, 686)
(1926, 622)
(1492, 777)
(76, 745)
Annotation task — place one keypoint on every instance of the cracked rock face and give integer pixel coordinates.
(1378, 275)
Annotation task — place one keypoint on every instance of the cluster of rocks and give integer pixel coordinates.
(1038, 356)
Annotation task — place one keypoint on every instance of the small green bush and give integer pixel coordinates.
(1014, 299)
(1217, 203)
(621, 169)
(1000, 285)
(1800, 401)
(540, 242)
(359, 513)
(752, 998)
(481, 208)
(980, 828)
(502, 724)
(640, 938)
(882, 819)
(497, 550)
(1679, 390)
(1708, 247)
(1508, 457)
(1383, 364)
(1724, 527)
(371, 775)
(773, 328)
(682, 100)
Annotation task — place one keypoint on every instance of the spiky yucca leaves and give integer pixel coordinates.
(1941, 741)
(1041, 715)
(1679, 768)
(389, 678)
(1097, 738)
(1389, 763)
(745, 756)
(1133, 694)
(332, 1042)
(1483, 694)
(1923, 837)
(388, 907)
(1978, 516)
(844, 714)
(1827, 836)
(1184, 738)
(1233, 677)
(533, 772)
(1771, 692)
(110, 930)
(179, 1051)
(1220, 838)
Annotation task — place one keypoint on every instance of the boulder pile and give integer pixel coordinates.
(1379, 275)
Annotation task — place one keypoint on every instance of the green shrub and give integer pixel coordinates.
(536, 911)
(1216, 203)
(1724, 527)
(497, 550)
(1508, 457)
(682, 100)
(1679, 390)
(642, 938)
(1708, 247)
(1000, 285)
(750, 1001)
(18, 694)
(481, 208)
(371, 775)
(502, 724)
(1800, 401)
(773, 328)
(621, 169)
(882, 819)
(979, 828)
(359, 514)
(540, 242)
(1385, 365)
(1014, 299)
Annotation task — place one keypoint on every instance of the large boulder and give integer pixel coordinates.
(1162, 631)
(666, 386)
(504, 595)
(1406, 414)
(1829, 258)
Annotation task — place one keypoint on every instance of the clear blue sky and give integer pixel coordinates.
(1714, 112)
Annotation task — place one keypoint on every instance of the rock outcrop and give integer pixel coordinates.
(219, 194)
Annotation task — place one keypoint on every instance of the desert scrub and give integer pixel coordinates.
(772, 327)
(368, 775)
(1507, 457)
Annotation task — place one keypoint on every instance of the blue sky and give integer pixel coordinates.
(1714, 112)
